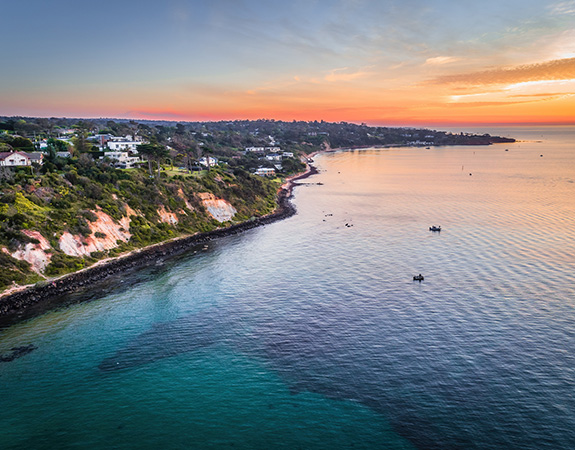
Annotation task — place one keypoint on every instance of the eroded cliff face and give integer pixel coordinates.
(34, 254)
(167, 217)
(109, 233)
(183, 196)
(106, 232)
(219, 209)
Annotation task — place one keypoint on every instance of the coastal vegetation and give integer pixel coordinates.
(78, 205)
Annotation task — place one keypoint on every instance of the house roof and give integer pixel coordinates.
(4, 155)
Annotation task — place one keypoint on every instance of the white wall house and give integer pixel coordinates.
(124, 159)
(255, 149)
(265, 172)
(13, 159)
(126, 146)
(274, 157)
(203, 161)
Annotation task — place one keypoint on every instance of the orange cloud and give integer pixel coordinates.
(543, 94)
(559, 69)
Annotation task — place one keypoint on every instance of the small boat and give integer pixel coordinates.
(418, 277)
(434, 228)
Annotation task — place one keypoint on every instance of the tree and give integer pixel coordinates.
(55, 146)
(81, 140)
(180, 129)
(153, 152)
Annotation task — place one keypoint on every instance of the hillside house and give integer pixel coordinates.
(255, 149)
(122, 160)
(123, 146)
(210, 160)
(36, 157)
(274, 157)
(265, 172)
(15, 159)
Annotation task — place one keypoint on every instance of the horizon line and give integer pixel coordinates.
(364, 122)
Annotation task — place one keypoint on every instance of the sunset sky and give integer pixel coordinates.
(383, 62)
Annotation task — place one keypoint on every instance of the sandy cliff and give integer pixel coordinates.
(219, 209)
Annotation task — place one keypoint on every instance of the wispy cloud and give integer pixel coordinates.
(524, 92)
(542, 94)
(440, 60)
(560, 69)
(343, 74)
(567, 7)
(493, 103)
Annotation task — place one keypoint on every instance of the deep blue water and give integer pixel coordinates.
(310, 332)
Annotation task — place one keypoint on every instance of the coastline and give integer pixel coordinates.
(15, 302)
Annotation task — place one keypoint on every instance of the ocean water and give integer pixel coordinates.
(311, 333)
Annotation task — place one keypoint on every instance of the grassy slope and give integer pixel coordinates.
(57, 202)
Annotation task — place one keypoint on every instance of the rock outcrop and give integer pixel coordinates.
(219, 209)
(34, 254)
(109, 232)
(167, 217)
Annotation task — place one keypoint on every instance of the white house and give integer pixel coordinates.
(125, 146)
(274, 157)
(13, 159)
(205, 160)
(265, 172)
(287, 154)
(123, 159)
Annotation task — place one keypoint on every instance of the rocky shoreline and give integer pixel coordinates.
(14, 305)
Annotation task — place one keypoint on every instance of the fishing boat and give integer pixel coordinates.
(434, 228)
(418, 277)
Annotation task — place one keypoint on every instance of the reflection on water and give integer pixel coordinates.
(311, 333)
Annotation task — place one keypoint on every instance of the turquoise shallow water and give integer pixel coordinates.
(308, 333)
